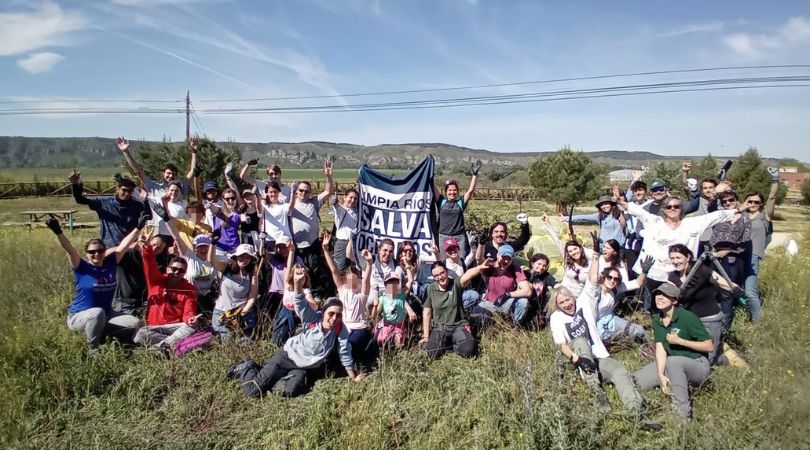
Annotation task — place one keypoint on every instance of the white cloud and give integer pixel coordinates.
(754, 46)
(694, 28)
(45, 25)
(40, 62)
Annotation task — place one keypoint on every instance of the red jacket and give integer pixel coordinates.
(166, 305)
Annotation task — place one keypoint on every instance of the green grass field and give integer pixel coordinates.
(507, 398)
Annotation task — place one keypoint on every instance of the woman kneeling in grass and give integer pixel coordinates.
(297, 360)
(573, 328)
(681, 348)
(91, 310)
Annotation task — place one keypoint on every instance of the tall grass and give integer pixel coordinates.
(508, 397)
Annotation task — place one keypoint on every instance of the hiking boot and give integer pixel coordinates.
(648, 424)
(602, 402)
(236, 370)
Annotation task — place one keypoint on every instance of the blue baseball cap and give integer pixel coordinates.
(506, 250)
(210, 185)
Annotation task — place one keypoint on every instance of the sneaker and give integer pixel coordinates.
(602, 402)
(236, 370)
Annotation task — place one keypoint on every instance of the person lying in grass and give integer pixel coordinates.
(296, 361)
(574, 330)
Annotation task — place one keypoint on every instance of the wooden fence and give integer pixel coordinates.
(107, 187)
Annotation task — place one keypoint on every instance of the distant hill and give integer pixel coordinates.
(101, 152)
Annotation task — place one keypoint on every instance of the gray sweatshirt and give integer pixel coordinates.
(309, 348)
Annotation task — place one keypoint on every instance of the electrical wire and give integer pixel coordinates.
(4, 102)
(522, 83)
(197, 120)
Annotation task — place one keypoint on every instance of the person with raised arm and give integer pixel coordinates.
(353, 289)
(275, 216)
(286, 320)
(760, 213)
(345, 226)
(456, 267)
(664, 230)
(296, 361)
(579, 347)
(451, 208)
(611, 220)
(383, 264)
(171, 313)
(169, 173)
(91, 310)
(576, 260)
(228, 218)
(238, 289)
(305, 224)
(117, 215)
(274, 175)
(496, 237)
(682, 346)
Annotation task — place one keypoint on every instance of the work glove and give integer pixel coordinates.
(586, 364)
(476, 166)
(53, 224)
(774, 171)
(143, 219)
(215, 236)
(646, 264)
(198, 169)
(523, 218)
(253, 162)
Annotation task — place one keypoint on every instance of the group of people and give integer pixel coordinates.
(252, 263)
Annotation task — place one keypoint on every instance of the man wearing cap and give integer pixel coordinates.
(508, 290)
(273, 173)
(305, 224)
(682, 345)
(451, 211)
(117, 215)
(611, 221)
(171, 313)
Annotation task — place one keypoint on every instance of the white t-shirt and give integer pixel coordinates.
(574, 278)
(209, 216)
(276, 220)
(345, 222)
(283, 197)
(659, 237)
(605, 302)
(306, 222)
(200, 273)
(354, 308)
(176, 209)
(565, 328)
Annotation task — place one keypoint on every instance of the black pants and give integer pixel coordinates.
(320, 277)
(257, 381)
(445, 337)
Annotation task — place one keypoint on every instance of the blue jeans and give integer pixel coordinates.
(283, 326)
(735, 269)
(612, 326)
(223, 332)
(516, 306)
(752, 289)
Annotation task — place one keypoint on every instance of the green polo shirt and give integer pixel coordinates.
(446, 305)
(687, 325)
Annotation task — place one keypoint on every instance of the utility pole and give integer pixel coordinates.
(188, 116)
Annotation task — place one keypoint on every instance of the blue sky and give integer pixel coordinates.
(74, 53)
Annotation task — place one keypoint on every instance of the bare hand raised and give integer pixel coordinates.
(75, 177)
(122, 143)
(327, 168)
(193, 144)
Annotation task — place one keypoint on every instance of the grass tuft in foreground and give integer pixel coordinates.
(509, 397)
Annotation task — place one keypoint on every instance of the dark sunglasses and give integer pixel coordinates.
(177, 269)
(727, 201)
(96, 251)
(452, 250)
(671, 207)
(449, 182)
(612, 278)
(755, 202)
(658, 189)
(303, 191)
(229, 199)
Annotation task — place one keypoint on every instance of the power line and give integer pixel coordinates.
(197, 120)
(4, 102)
(522, 83)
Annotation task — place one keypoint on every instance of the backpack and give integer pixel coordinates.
(196, 340)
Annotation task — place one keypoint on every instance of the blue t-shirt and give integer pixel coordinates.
(95, 286)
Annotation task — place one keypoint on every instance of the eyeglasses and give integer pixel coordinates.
(452, 250)
(177, 269)
(658, 189)
(612, 278)
(96, 251)
(303, 191)
(229, 199)
(754, 202)
(672, 207)
(727, 201)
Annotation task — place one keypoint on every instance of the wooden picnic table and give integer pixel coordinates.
(37, 216)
